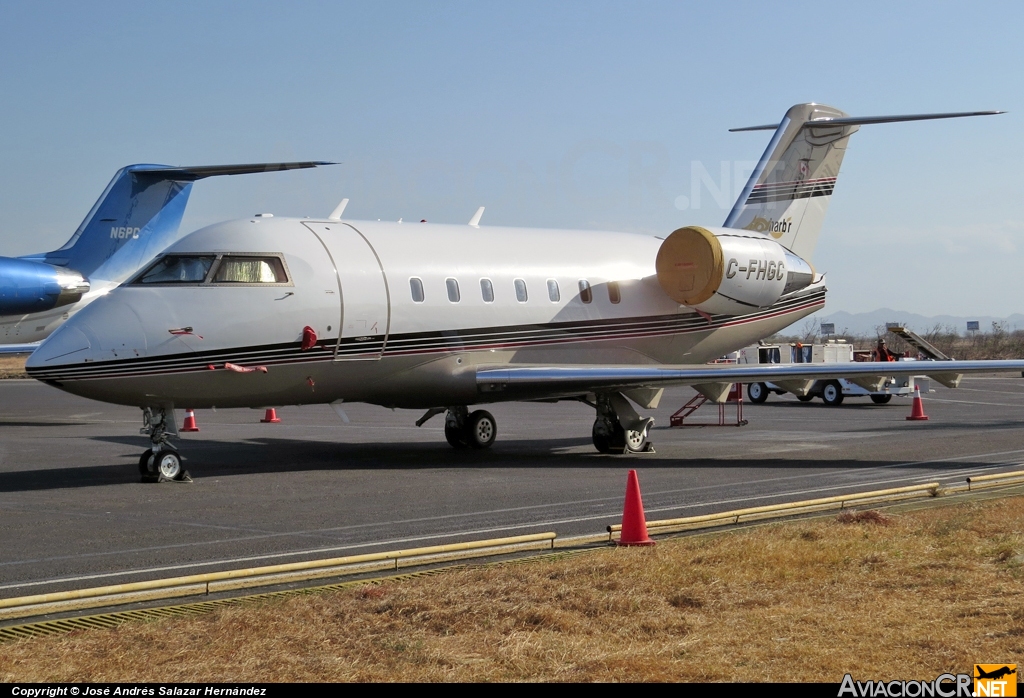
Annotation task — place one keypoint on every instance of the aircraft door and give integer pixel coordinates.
(366, 307)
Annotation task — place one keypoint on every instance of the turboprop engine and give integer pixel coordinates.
(728, 271)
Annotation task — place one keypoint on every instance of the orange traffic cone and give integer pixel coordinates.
(190, 421)
(634, 526)
(270, 417)
(917, 411)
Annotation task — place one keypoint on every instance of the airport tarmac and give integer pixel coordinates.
(74, 514)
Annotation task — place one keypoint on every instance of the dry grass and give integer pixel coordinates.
(13, 366)
(932, 591)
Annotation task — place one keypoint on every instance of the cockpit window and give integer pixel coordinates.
(177, 270)
(215, 269)
(250, 270)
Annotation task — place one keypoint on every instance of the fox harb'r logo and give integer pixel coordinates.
(995, 680)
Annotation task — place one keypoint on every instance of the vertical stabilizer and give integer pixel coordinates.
(788, 193)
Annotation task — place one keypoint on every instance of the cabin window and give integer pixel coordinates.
(453, 290)
(613, 292)
(553, 294)
(586, 295)
(416, 289)
(177, 269)
(521, 290)
(487, 290)
(250, 270)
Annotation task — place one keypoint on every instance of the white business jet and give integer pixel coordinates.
(268, 311)
(135, 218)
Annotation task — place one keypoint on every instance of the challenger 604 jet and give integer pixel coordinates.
(135, 218)
(268, 311)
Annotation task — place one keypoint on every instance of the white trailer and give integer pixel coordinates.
(831, 392)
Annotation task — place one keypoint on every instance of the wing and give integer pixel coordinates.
(18, 348)
(553, 381)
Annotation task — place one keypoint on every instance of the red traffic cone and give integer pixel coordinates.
(917, 411)
(634, 526)
(270, 417)
(190, 421)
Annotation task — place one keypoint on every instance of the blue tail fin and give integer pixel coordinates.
(138, 216)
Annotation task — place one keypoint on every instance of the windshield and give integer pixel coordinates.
(177, 270)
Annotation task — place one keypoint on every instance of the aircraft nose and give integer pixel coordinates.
(106, 330)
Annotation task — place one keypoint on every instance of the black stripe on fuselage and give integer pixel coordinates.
(414, 343)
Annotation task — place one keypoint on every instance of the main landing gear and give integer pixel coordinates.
(469, 430)
(618, 428)
(161, 463)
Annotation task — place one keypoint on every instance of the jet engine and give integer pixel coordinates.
(31, 287)
(728, 271)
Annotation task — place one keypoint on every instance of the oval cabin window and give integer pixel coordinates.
(521, 290)
(553, 291)
(416, 289)
(586, 295)
(453, 290)
(487, 290)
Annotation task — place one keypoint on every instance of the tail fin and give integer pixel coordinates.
(788, 193)
(138, 215)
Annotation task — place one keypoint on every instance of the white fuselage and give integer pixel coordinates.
(390, 326)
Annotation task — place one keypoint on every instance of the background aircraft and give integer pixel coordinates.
(135, 218)
(270, 311)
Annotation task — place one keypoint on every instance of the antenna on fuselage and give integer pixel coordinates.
(475, 220)
(340, 209)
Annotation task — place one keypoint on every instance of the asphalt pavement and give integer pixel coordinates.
(73, 512)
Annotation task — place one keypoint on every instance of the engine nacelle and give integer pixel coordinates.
(728, 271)
(32, 287)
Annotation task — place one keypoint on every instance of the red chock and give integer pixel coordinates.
(634, 526)
(190, 421)
(270, 417)
(917, 410)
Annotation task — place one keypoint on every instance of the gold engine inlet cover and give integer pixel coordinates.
(690, 265)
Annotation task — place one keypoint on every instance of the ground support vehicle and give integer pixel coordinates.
(831, 392)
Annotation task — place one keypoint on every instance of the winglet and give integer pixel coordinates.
(475, 220)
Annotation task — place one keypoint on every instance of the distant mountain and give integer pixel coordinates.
(867, 323)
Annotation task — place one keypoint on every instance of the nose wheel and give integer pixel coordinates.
(162, 462)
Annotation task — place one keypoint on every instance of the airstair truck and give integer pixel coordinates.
(832, 392)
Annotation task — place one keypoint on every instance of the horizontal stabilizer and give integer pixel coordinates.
(863, 120)
(138, 216)
(191, 174)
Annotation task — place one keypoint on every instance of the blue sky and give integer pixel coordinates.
(574, 114)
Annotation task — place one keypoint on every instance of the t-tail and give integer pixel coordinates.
(788, 193)
(137, 216)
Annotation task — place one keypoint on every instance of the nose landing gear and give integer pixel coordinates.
(161, 463)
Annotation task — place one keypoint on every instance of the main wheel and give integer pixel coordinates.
(456, 436)
(832, 394)
(481, 429)
(635, 440)
(757, 392)
(168, 464)
(609, 436)
(880, 399)
(804, 398)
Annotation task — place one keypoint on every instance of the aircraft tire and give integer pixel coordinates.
(832, 394)
(880, 399)
(757, 392)
(168, 464)
(456, 437)
(804, 398)
(481, 429)
(615, 442)
(146, 467)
